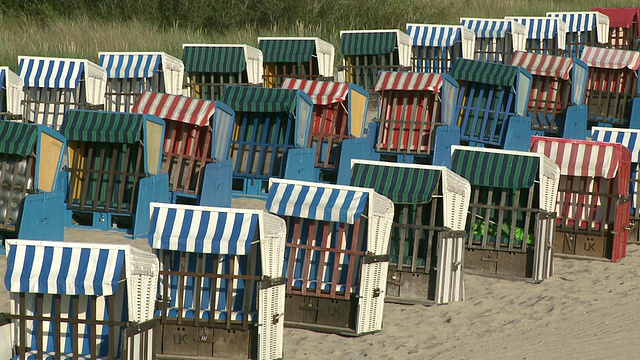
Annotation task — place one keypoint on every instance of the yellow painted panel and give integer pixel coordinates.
(50, 149)
(154, 145)
(348, 73)
(358, 113)
(269, 73)
(73, 147)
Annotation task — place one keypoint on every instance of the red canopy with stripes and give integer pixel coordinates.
(544, 65)
(175, 107)
(621, 17)
(396, 80)
(320, 92)
(610, 58)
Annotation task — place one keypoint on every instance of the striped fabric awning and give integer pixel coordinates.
(578, 21)
(488, 28)
(434, 35)
(175, 107)
(400, 80)
(287, 50)
(201, 229)
(621, 17)
(214, 59)
(127, 66)
(51, 72)
(630, 138)
(485, 72)
(316, 201)
(320, 92)
(63, 268)
(256, 99)
(368, 43)
(102, 126)
(18, 138)
(495, 168)
(579, 157)
(402, 185)
(610, 58)
(540, 28)
(544, 65)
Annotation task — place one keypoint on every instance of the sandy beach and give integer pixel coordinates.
(587, 310)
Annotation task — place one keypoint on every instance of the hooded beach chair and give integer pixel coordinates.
(511, 216)
(624, 27)
(336, 255)
(129, 74)
(307, 58)
(114, 162)
(211, 68)
(545, 35)
(613, 90)
(53, 85)
(556, 105)
(492, 104)
(221, 291)
(79, 301)
(590, 28)
(593, 201)
(339, 114)
(436, 47)
(31, 191)
(196, 146)
(417, 120)
(11, 95)
(496, 39)
(367, 52)
(428, 233)
(270, 137)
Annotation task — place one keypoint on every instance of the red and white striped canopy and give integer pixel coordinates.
(397, 80)
(610, 58)
(543, 65)
(175, 107)
(320, 92)
(580, 157)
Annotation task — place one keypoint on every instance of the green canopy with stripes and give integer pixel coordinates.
(287, 50)
(214, 59)
(102, 126)
(17, 138)
(402, 185)
(485, 72)
(368, 43)
(256, 99)
(491, 169)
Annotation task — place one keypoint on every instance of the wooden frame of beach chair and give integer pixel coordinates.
(221, 290)
(436, 47)
(211, 68)
(417, 120)
(496, 39)
(129, 74)
(11, 95)
(114, 168)
(593, 201)
(613, 89)
(624, 27)
(492, 104)
(556, 104)
(195, 148)
(100, 313)
(587, 28)
(270, 137)
(325, 223)
(545, 35)
(511, 216)
(428, 232)
(306, 58)
(54, 85)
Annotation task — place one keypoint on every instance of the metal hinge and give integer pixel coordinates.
(372, 258)
(267, 282)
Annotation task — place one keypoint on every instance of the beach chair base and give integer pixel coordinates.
(243, 187)
(503, 264)
(583, 245)
(336, 316)
(186, 341)
(406, 287)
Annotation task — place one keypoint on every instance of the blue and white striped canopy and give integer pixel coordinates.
(51, 72)
(202, 229)
(578, 21)
(130, 66)
(434, 35)
(316, 201)
(488, 28)
(629, 138)
(539, 28)
(63, 268)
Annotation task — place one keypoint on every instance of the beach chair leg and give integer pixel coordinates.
(446, 136)
(575, 124)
